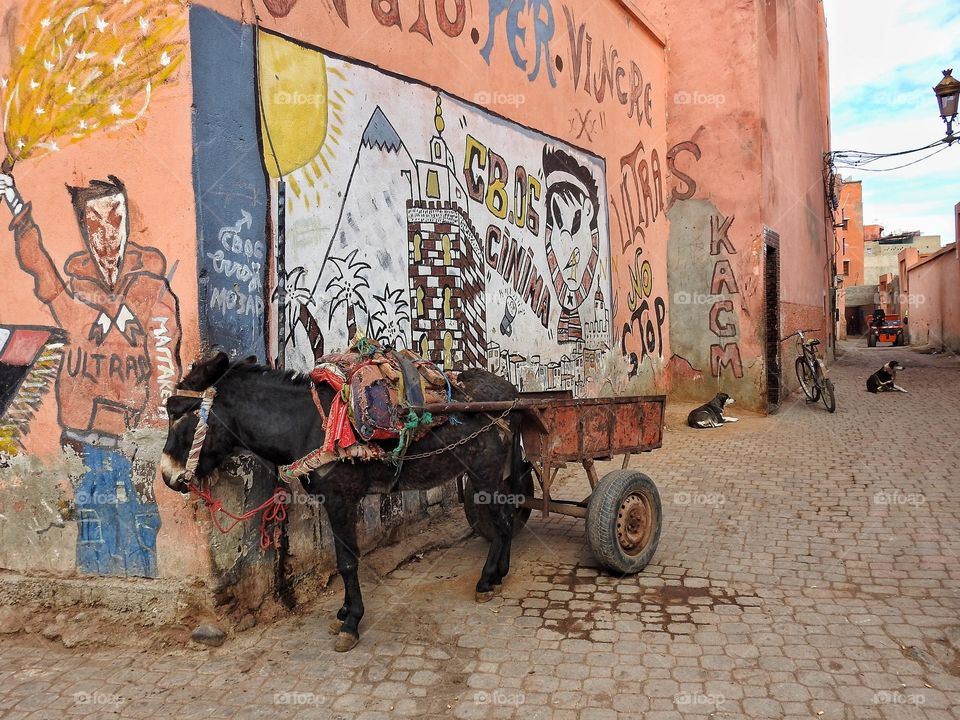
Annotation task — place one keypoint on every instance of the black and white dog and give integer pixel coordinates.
(884, 379)
(711, 415)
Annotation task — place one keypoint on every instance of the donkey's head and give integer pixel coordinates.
(184, 410)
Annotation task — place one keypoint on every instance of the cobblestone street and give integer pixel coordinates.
(808, 568)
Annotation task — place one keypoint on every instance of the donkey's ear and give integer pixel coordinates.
(217, 365)
(206, 371)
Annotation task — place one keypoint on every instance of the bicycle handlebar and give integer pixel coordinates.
(797, 332)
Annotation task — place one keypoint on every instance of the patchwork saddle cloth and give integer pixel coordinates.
(376, 388)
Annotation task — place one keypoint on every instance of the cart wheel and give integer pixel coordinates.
(480, 521)
(624, 518)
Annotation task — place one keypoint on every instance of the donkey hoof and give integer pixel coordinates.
(498, 590)
(346, 641)
(487, 596)
(335, 627)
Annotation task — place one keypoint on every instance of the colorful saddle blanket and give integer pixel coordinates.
(375, 391)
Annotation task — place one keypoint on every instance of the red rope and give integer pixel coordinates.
(274, 511)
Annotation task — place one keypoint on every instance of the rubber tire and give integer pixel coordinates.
(809, 387)
(480, 521)
(605, 502)
(827, 394)
(871, 340)
(898, 342)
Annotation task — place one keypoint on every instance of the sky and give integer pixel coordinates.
(885, 58)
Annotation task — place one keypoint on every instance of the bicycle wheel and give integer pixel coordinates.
(826, 394)
(806, 378)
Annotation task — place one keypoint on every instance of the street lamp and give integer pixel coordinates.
(948, 95)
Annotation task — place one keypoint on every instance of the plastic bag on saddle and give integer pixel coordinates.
(376, 389)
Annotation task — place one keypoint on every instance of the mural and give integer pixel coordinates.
(705, 334)
(229, 185)
(120, 322)
(429, 223)
(82, 67)
(29, 361)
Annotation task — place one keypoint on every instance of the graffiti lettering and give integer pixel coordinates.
(723, 277)
(723, 330)
(166, 363)
(387, 13)
(588, 125)
(231, 300)
(641, 195)
(493, 193)
(690, 185)
(649, 325)
(723, 280)
(544, 27)
(97, 366)
(641, 281)
(726, 356)
(515, 265)
(719, 229)
(611, 76)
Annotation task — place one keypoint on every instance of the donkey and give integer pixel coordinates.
(272, 414)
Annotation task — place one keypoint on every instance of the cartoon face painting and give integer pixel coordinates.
(105, 221)
(572, 237)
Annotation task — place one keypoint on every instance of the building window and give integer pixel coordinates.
(418, 247)
(433, 184)
(846, 267)
(447, 305)
(448, 350)
(447, 259)
(844, 246)
(420, 297)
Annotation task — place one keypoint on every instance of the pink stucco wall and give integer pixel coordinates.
(750, 93)
(934, 299)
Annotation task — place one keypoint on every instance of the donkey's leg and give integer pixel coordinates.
(494, 569)
(343, 523)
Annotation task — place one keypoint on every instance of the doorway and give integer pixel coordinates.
(771, 310)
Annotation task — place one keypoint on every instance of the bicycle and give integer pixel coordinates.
(811, 372)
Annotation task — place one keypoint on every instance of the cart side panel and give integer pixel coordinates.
(597, 426)
(627, 428)
(564, 424)
(652, 424)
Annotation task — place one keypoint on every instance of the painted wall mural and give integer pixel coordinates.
(29, 360)
(119, 323)
(83, 68)
(706, 298)
(230, 187)
(432, 224)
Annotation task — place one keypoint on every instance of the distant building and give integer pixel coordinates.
(880, 255)
(851, 237)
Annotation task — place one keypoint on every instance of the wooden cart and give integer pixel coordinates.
(623, 512)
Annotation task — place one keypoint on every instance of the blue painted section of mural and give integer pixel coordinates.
(230, 185)
(117, 532)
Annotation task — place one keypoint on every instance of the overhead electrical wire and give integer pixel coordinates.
(896, 167)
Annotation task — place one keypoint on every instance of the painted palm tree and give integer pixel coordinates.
(391, 322)
(350, 279)
(297, 307)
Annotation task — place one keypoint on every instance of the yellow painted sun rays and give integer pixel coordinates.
(303, 98)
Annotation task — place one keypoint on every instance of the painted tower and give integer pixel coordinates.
(446, 278)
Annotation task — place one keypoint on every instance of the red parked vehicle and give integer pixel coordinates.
(886, 329)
